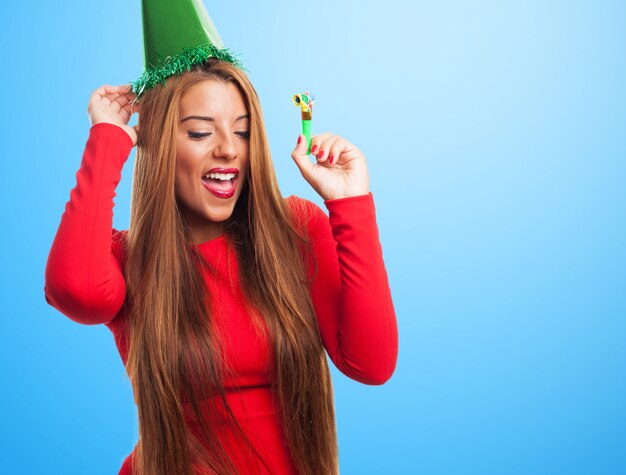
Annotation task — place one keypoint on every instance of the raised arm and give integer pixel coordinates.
(83, 278)
(350, 291)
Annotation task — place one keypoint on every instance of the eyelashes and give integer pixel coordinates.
(200, 135)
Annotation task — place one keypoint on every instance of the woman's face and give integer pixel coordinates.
(211, 155)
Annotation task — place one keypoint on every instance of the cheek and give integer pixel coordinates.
(184, 178)
(245, 166)
(177, 183)
(185, 167)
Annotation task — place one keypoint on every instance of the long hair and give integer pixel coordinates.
(174, 354)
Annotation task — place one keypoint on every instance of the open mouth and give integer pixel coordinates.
(221, 182)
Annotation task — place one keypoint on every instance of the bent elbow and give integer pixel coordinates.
(74, 302)
(375, 373)
(380, 376)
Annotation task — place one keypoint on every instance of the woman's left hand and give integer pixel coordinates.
(340, 170)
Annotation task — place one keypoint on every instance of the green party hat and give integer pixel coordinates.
(177, 34)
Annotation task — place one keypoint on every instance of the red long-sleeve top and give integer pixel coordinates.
(84, 280)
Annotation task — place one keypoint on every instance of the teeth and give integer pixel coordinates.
(220, 176)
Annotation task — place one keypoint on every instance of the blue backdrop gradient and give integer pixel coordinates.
(495, 134)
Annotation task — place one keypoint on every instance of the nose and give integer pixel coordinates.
(225, 148)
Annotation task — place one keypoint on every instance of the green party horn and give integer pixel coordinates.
(305, 101)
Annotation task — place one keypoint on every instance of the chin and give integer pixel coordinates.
(218, 217)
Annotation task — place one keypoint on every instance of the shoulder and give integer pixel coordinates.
(301, 207)
(305, 213)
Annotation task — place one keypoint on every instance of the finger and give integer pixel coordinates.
(337, 149)
(128, 102)
(124, 114)
(111, 101)
(121, 98)
(121, 101)
(100, 91)
(103, 95)
(135, 105)
(127, 108)
(128, 93)
(117, 101)
(325, 147)
(347, 153)
(112, 91)
(109, 89)
(104, 90)
(301, 157)
(316, 140)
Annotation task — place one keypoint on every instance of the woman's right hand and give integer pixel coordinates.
(113, 105)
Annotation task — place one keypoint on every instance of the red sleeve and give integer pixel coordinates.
(83, 277)
(350, 290)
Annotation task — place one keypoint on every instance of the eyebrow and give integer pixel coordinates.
(211, 119)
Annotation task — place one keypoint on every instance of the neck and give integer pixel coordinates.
(201, 229)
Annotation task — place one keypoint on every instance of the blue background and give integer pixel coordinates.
(495, 134)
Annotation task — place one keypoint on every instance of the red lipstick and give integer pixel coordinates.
(223, 182)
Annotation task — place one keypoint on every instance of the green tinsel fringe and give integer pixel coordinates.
(180, 63)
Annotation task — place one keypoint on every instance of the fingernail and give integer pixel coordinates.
(299, 139)
(330, 158)
(313, 148)
(321, 154)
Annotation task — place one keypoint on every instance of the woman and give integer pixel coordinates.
(222, 296)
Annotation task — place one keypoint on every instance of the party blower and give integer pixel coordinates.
(305, 101)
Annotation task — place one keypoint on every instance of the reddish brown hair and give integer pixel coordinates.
(173, 350)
